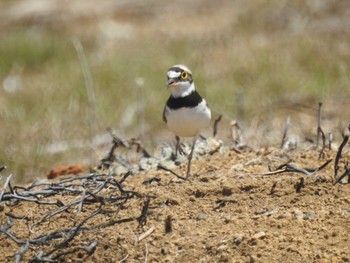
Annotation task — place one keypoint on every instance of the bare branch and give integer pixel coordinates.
(7, 183)
(337, 157)
(216, 123)
(285, 132)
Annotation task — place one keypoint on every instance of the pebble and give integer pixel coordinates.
(168, 164)
(120, 170)
(213, 145)
(146, 164)
(299, 215)
(309, 216)
(238, 238)
(259, 235)
(201, 216)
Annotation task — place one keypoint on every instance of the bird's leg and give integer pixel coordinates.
(178, 147)
(190, 157)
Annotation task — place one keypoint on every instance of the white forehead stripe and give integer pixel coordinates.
(183, 67)
(173, 74)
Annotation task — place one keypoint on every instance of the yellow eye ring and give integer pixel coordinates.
(184, 75)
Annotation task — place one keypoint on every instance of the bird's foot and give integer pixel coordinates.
(180, 150)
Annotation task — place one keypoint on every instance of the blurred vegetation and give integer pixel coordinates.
(246, 59)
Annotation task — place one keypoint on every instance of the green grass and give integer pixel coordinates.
(245, 70)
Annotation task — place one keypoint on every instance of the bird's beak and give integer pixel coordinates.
(170, 83)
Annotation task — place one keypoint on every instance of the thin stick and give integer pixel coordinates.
(216, 123)
(320, 132)
(299, 185)
(7, 182)
(124, 259)
(337, 157)
(146, 253)
(236, 132)
(142, 219)
(318, 123)
(288, 167)
(346, 173)
(285, 131)
(145, 234)
(21, 251)
(171, 171)
(90, 94)
(330, 140)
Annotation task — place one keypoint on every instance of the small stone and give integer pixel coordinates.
(309, 216)
(222, 248)
(345, 259)
(251, 259)
(299, 215)
(285, 215)
(259, 235)
(226, 191)
(213, 145)
(237, 239)
(168, 164)
(201, 216)
(226, 219)
(148, 164)
(121, 170)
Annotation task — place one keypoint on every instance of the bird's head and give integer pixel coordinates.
(180, 81)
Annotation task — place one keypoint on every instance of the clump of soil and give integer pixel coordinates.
(231, 209)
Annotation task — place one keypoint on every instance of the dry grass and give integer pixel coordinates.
(251, 61)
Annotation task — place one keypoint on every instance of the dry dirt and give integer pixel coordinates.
(227, 211)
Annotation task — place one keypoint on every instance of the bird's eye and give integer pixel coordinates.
(184, 75)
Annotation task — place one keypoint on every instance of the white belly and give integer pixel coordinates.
(188, 122)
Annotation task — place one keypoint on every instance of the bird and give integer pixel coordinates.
(185, 113)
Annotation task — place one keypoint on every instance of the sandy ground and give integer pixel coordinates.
(227, 211)
(231, 209)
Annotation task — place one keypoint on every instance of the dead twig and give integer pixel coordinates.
(236, 132)
(330, 140)
(146, 253)
(299, 185)
(346, 173)
(124, 259)
(125, 176)
(338, 156)
(289, 167)
(145, 234)
(285, 132)
(21, 251)
(320, 132)
(121, 142)
(90, 249)
(140, 147)
(86, 190)
(7, 184)
(167, 224)
(273, 188)
(216, 123)
(142, 219)
(169, 170)
(74, 232)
